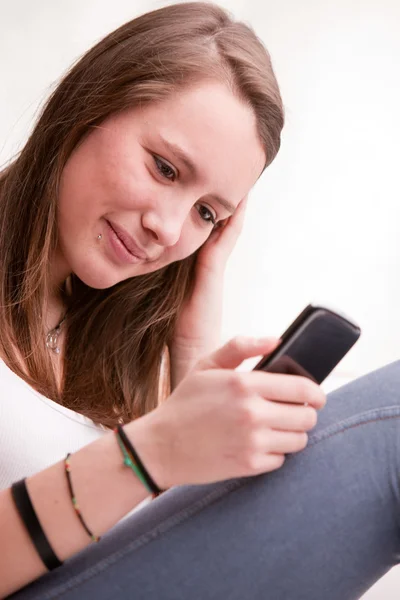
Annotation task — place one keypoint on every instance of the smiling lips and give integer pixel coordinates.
(128, 241)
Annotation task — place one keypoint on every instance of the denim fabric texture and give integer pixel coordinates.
(323, 527)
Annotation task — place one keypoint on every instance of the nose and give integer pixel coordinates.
(165, 229)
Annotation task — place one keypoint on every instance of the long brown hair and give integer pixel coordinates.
(114, 337)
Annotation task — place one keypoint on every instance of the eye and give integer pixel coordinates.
(206, 215)
(164, 168)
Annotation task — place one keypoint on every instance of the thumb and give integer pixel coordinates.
(234, 352)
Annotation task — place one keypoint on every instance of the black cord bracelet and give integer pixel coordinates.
(150, 481)
(29, 518)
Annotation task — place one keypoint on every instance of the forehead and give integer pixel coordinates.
(216, 130)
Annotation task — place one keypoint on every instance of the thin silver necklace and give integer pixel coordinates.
(52, 336)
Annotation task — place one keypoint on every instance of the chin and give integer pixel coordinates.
(97, 280)
(101, 277)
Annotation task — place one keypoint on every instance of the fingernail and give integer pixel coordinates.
(263, 340)
(255, 340)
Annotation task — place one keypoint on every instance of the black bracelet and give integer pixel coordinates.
(29, 518)
(150, 481)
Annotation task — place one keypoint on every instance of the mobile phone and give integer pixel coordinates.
(313, 344)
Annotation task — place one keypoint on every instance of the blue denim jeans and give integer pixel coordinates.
(323, 527)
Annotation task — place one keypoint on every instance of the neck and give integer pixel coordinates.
(57, 306)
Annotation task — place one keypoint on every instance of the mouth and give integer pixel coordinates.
(127, 241)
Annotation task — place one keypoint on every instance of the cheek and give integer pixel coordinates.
(192, 239)
(121, 187)
(74, 199)
(123, 178)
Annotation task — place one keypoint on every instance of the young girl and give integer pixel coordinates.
(116, 222)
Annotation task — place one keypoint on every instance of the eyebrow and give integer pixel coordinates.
(181, 155)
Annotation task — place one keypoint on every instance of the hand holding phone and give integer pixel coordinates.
(313, 344)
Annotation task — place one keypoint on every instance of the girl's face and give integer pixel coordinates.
(165, 173)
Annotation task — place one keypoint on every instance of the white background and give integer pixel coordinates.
(322, 223)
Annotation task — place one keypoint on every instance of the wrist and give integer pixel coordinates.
(183, 360)
(150, 437)
(179, 370)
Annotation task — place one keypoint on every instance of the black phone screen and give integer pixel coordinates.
(314, 347)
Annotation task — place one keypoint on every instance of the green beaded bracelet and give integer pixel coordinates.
(128, 462)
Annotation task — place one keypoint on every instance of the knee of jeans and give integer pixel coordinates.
(376, 391)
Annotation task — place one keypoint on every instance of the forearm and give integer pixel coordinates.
(182, 362)
(179, 370)
(185, 353)
(105, 489)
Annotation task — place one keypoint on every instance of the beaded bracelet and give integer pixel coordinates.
(136, 459)
(67, 463)
(128, 462)
(132, 461)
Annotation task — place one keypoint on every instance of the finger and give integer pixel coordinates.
(284, 442)
(290, 417)
(285, 388)
(226, 235)
(264, 463)
(238, 216)
(234, 225)
(234, 352)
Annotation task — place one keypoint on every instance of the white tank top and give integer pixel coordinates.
(36, 432)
